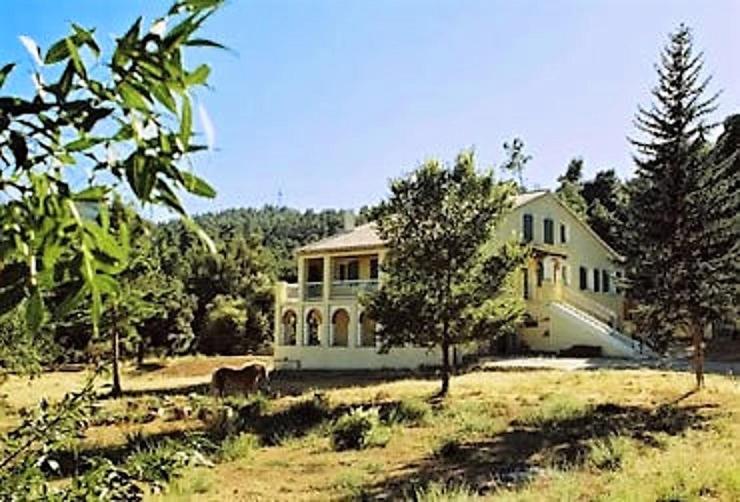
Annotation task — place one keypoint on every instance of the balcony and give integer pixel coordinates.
(314, 290)
(350, 289)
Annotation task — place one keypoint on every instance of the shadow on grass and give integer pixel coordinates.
(290, 382)
(523, 450)
(181, 390)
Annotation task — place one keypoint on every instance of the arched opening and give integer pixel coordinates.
(289, 328)
(340, 328)
(313, 325)
(367, 331)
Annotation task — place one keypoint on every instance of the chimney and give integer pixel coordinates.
(349, 220)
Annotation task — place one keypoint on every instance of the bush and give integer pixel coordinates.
(436, 492)
(159, 463)
(104, 481)
(556, 408)
(358, 429)
(236, 447)
(295, 421)
(410, 411)
(224, 326)
(608, 454)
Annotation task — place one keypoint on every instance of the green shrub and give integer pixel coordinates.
(556, 408)
(359, 429)
(608, 454)
(296, 421)
(236, 447)
(159, 463)
(104, 481)
(436, 492)
(410, 411)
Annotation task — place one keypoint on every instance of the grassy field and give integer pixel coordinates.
(515, 435)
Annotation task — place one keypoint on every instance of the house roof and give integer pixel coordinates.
(361, 237)
(366, 236)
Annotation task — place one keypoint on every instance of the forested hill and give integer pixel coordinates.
(280, 229)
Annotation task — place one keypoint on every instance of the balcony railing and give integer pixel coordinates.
(343, 289)
(291, 291)
(314, 290)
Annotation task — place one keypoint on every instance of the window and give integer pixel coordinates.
(563, 234)
(605, 281)
(583, 282)
(525, 283)
(373, 268)
(549, 227)
(315, 270)
(528, 228)
(597, 277)
(349, 271)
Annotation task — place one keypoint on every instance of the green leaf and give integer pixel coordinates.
(132, 98)
(200, 233)
(57, 52)
(83, 143)
(199, 75)
(35, 311)
(91, 194)
(107, 284)
(203, 42)
(71, 300)
(4, 71)
(76, 59)
(164, 96)
(186, 121)
(197, 185)
(65, 81)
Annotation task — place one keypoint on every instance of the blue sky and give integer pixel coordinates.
(325, 101)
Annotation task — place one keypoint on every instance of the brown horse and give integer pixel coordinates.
(243, 381)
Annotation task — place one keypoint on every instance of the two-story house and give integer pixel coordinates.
(570, 285)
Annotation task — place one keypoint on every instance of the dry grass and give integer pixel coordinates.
(479, 411)
(592, 435)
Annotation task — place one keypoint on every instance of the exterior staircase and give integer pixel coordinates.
(584, 328)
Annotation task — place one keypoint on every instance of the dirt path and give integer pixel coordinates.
(576, 364)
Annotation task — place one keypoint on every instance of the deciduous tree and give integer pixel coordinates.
(444, 281)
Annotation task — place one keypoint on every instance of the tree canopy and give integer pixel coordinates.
(444, 281)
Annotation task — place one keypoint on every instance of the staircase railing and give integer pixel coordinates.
(592, 307)
(597, 323)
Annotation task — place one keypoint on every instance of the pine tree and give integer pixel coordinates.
(571, 187)
(674, 258)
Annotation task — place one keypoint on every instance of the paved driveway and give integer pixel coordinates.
(576, 363)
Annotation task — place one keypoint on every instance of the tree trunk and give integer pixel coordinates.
(445, 370)
(698, 342)
(116, 389)
(445, 361)
(140, 352)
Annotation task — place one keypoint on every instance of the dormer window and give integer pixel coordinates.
(549, 228)
(528, 228)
